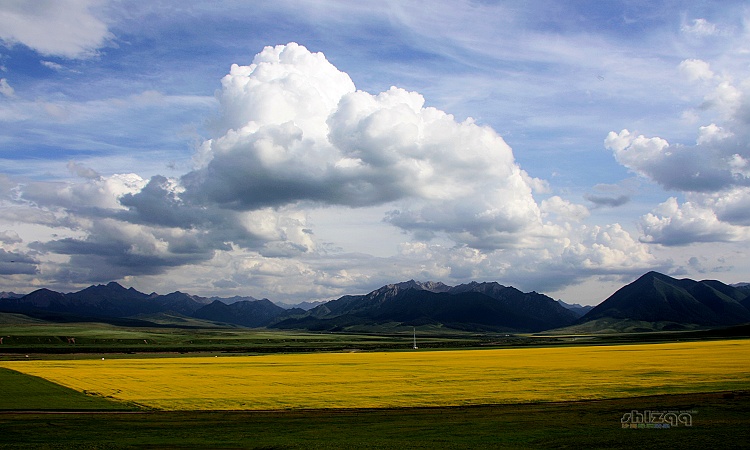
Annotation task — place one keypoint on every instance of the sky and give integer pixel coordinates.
(304, 150)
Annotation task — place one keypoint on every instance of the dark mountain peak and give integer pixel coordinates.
(42, 298)
(393, 290)
(43, 291)
(216, 305)
(651, 276)
(112, 291)
(185, 296)
(490, 284)
(657, 274)
(411, 284)
(493, 289)
(432, 286)
(249, 313)
(390, 290)
(179, 302)
(655, 297)
(112, 286)
(264, 302)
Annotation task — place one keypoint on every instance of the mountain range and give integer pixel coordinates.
(474, 307)
(652, 302)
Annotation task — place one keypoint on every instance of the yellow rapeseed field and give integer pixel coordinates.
(402, 379)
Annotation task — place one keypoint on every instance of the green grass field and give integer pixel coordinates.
(45, 338)
(22, 335)
(22, 392)
(720, 420)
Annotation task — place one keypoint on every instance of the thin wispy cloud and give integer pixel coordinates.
(67, 28)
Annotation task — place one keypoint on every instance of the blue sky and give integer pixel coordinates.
(562, 147)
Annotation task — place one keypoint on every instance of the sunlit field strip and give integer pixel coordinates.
(403, 379)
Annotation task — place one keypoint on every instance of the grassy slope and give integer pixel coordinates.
(17, 319)
(24, 392)
(23, 337)
(718, 420)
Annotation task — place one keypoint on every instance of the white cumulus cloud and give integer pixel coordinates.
(696, 69)
(297, 130)
(675, 224)
(711, 133)
(563, 208)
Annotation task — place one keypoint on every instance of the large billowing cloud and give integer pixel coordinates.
(53, 27)
(296, 130)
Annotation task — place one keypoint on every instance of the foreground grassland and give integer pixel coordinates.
(406, 379)
(20, 392)
(720, 420)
